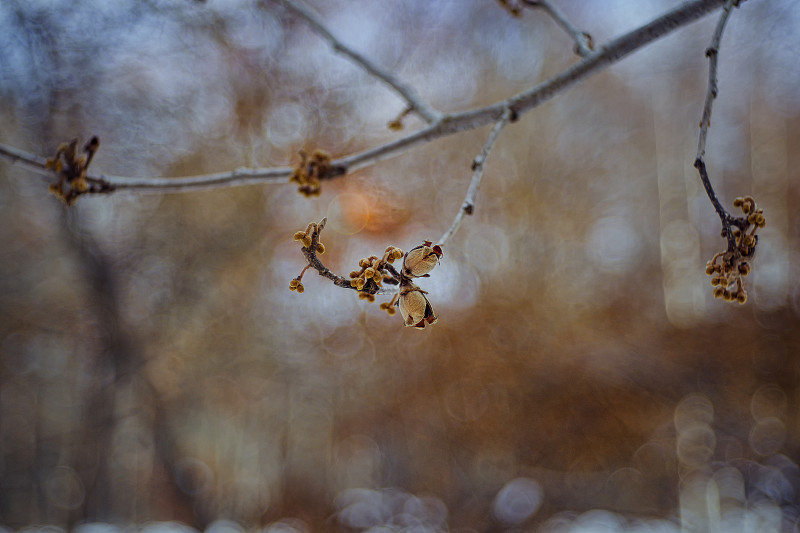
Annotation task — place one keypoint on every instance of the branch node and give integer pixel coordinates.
(71, 168)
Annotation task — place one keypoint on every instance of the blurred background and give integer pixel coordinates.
(156, 372)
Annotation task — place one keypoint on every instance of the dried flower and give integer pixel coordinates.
(419, 261)
(415, 308)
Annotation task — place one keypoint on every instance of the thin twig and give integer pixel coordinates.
(24, 159)
(478, 165)
(408, 93)
(712, 52)
(448, 125)
(310, 254)
(583, 41)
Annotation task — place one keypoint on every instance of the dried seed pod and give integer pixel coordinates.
(421, 260)
(415, 308)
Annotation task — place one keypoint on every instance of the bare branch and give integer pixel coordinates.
(409, 94)
(447, 125)
(468, 207)
(32, 162)
(583, 41)
(712, 52)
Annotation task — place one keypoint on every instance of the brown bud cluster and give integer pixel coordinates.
(71, 169)
(373, 270)
(296, 285)
(309, 238)
(728, 268)
(306, 237)
(308, 173)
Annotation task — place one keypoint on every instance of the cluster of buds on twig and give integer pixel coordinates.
(728, 268)
(71, 167)
(374, 271)
(308, 237)
(311, 170)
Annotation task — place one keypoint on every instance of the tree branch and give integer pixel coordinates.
(712, 52)
(447, 125)
(468, 207)
(583, 41)
(415, 103)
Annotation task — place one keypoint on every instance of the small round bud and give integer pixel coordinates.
(737, 202)
(709, 269)
(718, 292)
(320, 248)
(354, 282)
(369, 272)
(299, 236)
(306, 240)
(353, 274)
(363, 263)
(715, 281)
(727, 296)
(80, 185)
(360, 282)
(741, 297)
(744, 269)
(300, 288)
